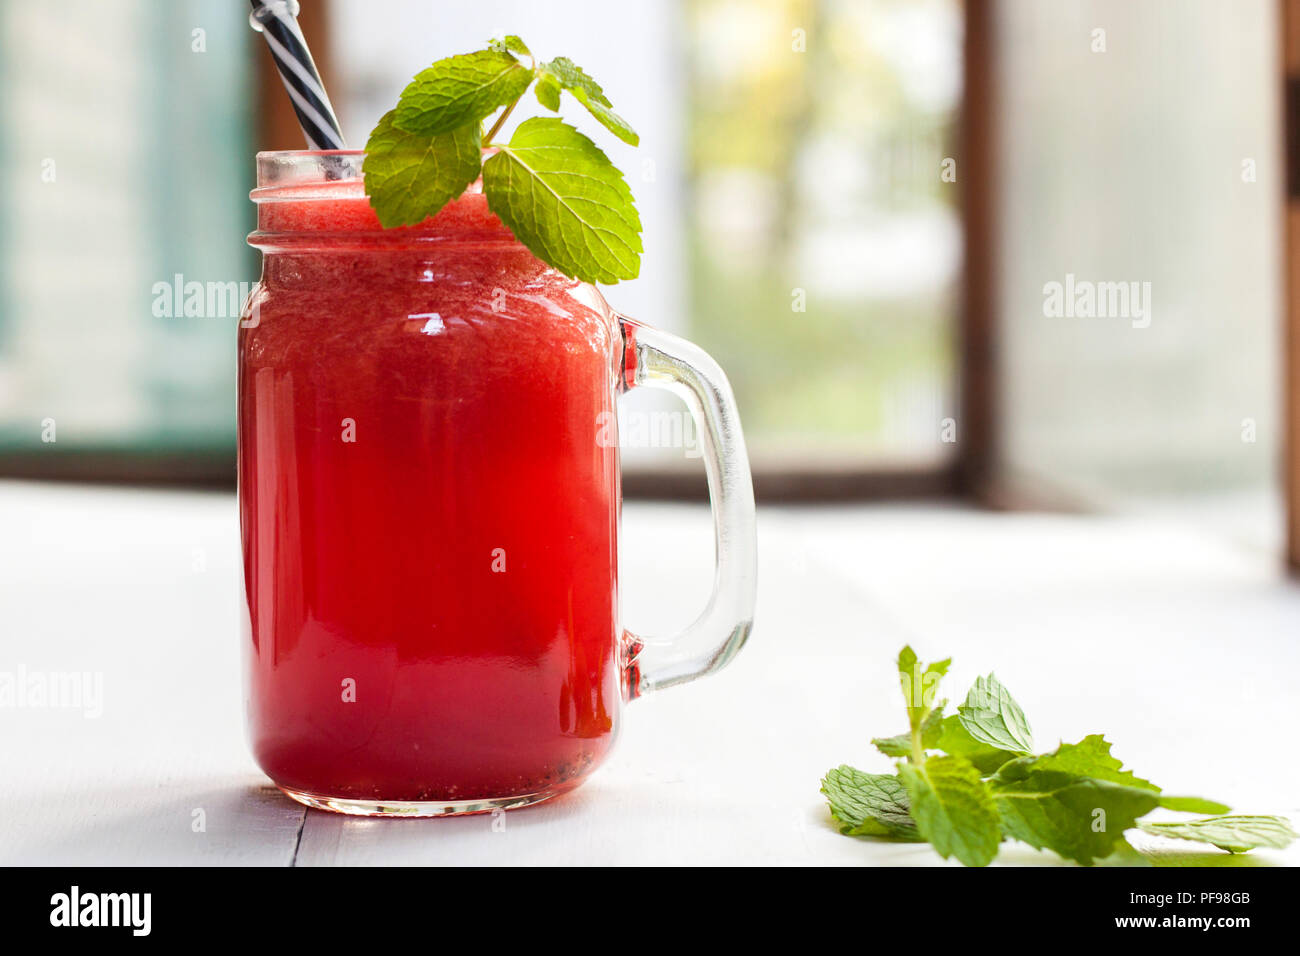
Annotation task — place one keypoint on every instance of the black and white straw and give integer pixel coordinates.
(277, 21)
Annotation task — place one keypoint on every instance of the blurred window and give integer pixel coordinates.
(825, 242)
(797, 223)
(1138, 151)
(125, 137)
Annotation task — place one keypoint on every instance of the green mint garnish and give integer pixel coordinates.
(551, 185)
(510, 43)
(565, 201)
(548, 92)
(408, 174)
(461, 90)
(984, 786)
(563, 74)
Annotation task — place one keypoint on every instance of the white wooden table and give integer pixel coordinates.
(1183, 647)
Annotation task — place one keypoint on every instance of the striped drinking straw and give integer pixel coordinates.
(276, 20)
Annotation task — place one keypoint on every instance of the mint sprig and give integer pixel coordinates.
(552, 186)
(985, 786)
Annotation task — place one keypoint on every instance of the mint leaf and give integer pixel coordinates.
(901, 745)
(574, 79)
(564, 200)
(1081, 818)
(991, 716)
(548, 93)
(460, 91)
(1193, 805)
(954, 739)
(410, 177)
(1077, 800)
(898, 746)
(1236, 834)
(610, 120)
(953, 809)
(509, 43)
(869, 804)
(1090, 757)
(920, 684)
(568, 75)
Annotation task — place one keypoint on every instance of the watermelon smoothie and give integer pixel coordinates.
(429, 519)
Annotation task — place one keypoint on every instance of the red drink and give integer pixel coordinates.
(427, 511)
(429, 502)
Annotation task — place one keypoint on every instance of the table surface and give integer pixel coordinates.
(1179, 643)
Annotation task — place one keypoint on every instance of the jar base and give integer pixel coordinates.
(422, 808)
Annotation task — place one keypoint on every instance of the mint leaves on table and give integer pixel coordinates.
(1079, 817)
(985, 785)
(869, 804)
(952, 808)
(551, 185)
(1236, 834)
(992, 718)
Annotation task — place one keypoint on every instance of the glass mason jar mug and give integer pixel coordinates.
(429, 503)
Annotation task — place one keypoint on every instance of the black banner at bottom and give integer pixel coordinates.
(306, 906)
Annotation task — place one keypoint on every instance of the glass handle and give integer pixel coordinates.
(657, 359)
